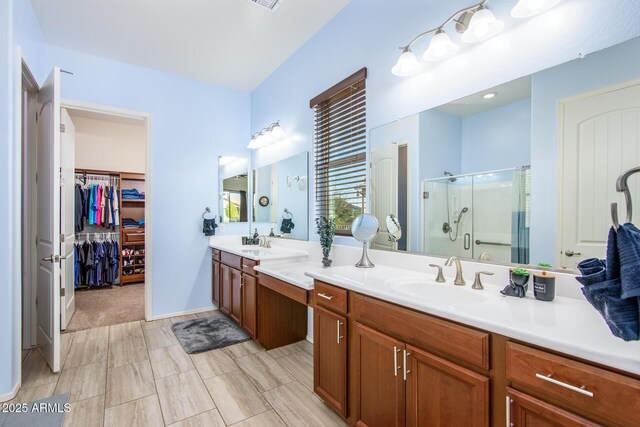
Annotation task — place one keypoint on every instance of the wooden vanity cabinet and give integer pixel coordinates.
(330, 358)
(527, 411)
(379, 378)
(215, 282)
(249, 304)
(225, 289)
(440, 392)
(237, 289)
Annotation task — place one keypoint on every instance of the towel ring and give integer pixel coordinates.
(287, 212)
(206, 211)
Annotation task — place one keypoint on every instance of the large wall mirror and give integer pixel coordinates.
(281, 197)
(520, 173)
(234, 189)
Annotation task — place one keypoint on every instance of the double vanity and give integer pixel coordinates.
(394, 347)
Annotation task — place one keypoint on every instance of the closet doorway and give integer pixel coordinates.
(110, 198)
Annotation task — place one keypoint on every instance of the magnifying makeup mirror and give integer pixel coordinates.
(364, 228)
(394, 229)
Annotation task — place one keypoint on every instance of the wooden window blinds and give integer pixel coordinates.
(341, 151)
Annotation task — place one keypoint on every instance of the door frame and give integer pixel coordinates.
(147, 118)
(28, 273)
(560, 153)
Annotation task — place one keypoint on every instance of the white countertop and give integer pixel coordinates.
(293, 273)
(566, 325)
(258, 253)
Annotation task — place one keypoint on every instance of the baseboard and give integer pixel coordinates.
(182, 313)
(12, 394)
(310, 339)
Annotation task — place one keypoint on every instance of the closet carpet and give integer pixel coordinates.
(107, 306)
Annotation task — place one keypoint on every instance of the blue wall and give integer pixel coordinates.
(440, 144)
(9, 294)
(498, 138)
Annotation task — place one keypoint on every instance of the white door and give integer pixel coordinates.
(384, 190)
(48, 240)
(67, 218)
(600, 140)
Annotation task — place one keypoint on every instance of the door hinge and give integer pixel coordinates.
(62, 127)
(425, 195)
(61, 292)
(62, 237)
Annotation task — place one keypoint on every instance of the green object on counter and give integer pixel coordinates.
(520, 272)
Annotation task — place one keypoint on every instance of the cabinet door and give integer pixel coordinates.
(249, 304)
(330, 358)
(225, 289)
(441, 393)
(379, 377)
(527, 411)
(236, 295)
(215, 283)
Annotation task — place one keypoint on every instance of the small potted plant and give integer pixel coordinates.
(520, 276)
(545, 266)
(326, 229)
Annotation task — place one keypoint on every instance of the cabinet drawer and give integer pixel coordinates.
(463, 343)
(135, 235)
(284, 288)
(330, 297)
(215, 253)
(231, 260)
(593, 390)
(247, 266)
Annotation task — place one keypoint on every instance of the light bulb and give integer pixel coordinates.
(252, 143)
(407, 64)
(527, 8)
(440, 48)
(277, 133)
(483, 26)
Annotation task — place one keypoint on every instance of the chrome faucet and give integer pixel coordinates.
(264, 241)
(459, 280)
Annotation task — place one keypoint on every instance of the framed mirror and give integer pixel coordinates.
(521, 173)
(281, 197)
(234, 189)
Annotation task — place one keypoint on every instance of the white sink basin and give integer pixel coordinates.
(431, 290)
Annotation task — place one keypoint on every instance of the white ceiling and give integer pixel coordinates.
(231, 43)
(506, 93)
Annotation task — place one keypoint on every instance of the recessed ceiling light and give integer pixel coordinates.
(489, 95)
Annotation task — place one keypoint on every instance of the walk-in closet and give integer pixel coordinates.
(109, 217)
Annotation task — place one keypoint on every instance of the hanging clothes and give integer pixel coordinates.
(78, 207)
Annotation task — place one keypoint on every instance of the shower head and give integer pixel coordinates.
(447, 173)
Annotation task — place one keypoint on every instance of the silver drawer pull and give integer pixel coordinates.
(581, 390)
(246, 266)
(325, 296)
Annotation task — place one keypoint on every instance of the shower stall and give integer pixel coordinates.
(483, 215)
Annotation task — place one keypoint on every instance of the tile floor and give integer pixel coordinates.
(136, 374)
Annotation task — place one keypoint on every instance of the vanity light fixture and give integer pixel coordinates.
(267, 136)
(482, 26)
(407, 64)
(489, 95)
(527, 8)
(476, 23)
(441, 47)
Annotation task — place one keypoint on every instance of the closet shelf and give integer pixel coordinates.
(140, 201)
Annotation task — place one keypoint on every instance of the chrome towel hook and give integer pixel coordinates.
(206, 211)
(622, 186)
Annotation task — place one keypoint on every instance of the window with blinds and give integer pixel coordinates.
(340, 149)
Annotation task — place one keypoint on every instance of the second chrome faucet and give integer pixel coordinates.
(459, 280)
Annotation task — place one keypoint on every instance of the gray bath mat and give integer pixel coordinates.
(199, 335)
(47, 412)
